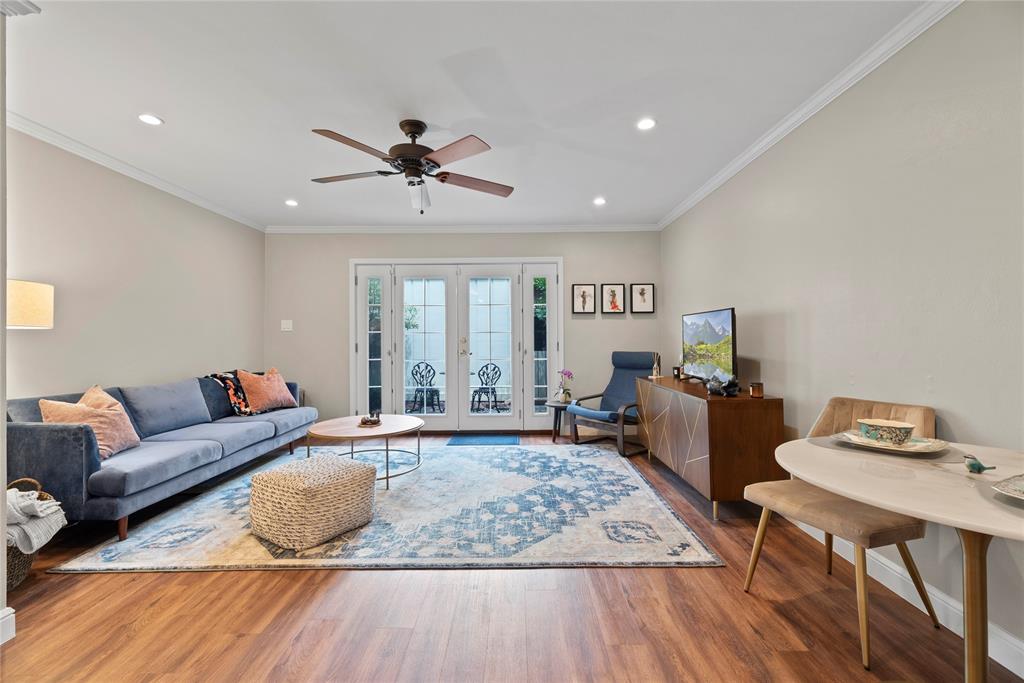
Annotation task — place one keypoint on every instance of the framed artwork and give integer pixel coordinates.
(584, 298)
(641, 298)
(613, 299)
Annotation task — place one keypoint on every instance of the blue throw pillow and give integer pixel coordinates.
(160, 408)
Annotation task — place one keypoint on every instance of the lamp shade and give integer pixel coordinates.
(29, 305)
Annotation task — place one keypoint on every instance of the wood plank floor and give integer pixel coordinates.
(692, 624)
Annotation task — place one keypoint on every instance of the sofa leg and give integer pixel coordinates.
(122, 529)
(291, 448)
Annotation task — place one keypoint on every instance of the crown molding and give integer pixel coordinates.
(48, 135)
(892, 42)
(448, 229)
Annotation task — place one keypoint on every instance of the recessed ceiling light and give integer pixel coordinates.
(291, 202)
(151, 119)
(646, 123)
(599, 201)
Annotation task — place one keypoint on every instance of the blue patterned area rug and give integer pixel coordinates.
(489, 506)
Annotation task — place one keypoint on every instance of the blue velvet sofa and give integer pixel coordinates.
(189, 434)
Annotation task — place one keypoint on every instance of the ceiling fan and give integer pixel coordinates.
(415, 162)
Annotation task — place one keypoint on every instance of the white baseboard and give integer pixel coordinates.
(1003, 646)
(6, 624)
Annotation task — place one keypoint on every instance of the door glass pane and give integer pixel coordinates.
(490, 345)
(540, 345)
(423, 318)
(373, 353)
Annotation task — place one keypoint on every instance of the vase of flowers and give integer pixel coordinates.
(564, 394)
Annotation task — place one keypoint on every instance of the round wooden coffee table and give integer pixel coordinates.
(347, 430)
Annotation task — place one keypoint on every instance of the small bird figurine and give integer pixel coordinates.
(975, 466)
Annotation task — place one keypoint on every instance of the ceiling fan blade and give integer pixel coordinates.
(474, 184)
(347, 176)
(460, 149)
(338, 137)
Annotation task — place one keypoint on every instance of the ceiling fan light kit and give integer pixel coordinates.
(416, 162)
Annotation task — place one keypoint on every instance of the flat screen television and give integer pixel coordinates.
(709, 344)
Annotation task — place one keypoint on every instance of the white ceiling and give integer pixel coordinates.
(555, 88)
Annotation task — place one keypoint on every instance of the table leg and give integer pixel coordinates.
(975, 549)
(352, 449)
(307, 446)
(387, 463)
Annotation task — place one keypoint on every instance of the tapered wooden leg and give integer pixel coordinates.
(291, 448)
(828, 553)
(122, 529)
(975, 548)
(762, 527)
(861, 567)
(915, 576)
(714, 510)
(573, 429)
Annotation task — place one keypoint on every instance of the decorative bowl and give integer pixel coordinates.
(886, 431)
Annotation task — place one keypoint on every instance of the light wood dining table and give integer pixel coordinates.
(936, 488)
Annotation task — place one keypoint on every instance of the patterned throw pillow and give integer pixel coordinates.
(101, 411)
(266, 392)
(236, 394)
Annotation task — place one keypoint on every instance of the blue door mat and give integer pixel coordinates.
(484, 440)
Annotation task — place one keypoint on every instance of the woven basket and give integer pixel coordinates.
(18, 563)
(304, 503)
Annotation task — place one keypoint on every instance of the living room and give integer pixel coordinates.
(468, 429)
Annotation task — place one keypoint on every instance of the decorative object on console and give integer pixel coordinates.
(728, 388)
(564, 393)
(886, 431)
(267, 391)
(613, 299)
(677, 372)
(584, 298)
(975, 466)
(29, 305)
(101, 411)
(656, 369)
(641, 298)
(756, 390)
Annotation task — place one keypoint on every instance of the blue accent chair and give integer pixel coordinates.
(618, 408)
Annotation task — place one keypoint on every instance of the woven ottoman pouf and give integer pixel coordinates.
(303, 503)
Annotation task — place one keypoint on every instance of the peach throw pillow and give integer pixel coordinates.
(266, 392)
(101, 411)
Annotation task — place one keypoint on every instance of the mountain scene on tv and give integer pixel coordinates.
(707, 344)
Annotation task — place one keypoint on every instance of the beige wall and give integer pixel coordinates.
(876, 252)
(307, 282)
(148, 287)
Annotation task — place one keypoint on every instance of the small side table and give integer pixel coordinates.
(559, 408)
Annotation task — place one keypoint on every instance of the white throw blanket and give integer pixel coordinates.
(31, 522)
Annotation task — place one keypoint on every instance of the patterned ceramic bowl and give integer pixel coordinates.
(886, 431)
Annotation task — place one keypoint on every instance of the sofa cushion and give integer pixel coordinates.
(602, 415)
(232, 437)
(217, 401)
(283, 420)
(149, 464)
(159, 408)
(101, 411)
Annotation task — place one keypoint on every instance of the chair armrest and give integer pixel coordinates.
(622, 411)
(61, 457)
(576, 401)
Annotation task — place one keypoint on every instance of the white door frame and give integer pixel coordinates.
(555, 354)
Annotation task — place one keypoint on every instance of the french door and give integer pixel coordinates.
(471, 346)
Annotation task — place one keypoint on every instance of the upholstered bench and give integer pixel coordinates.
(306, 502)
